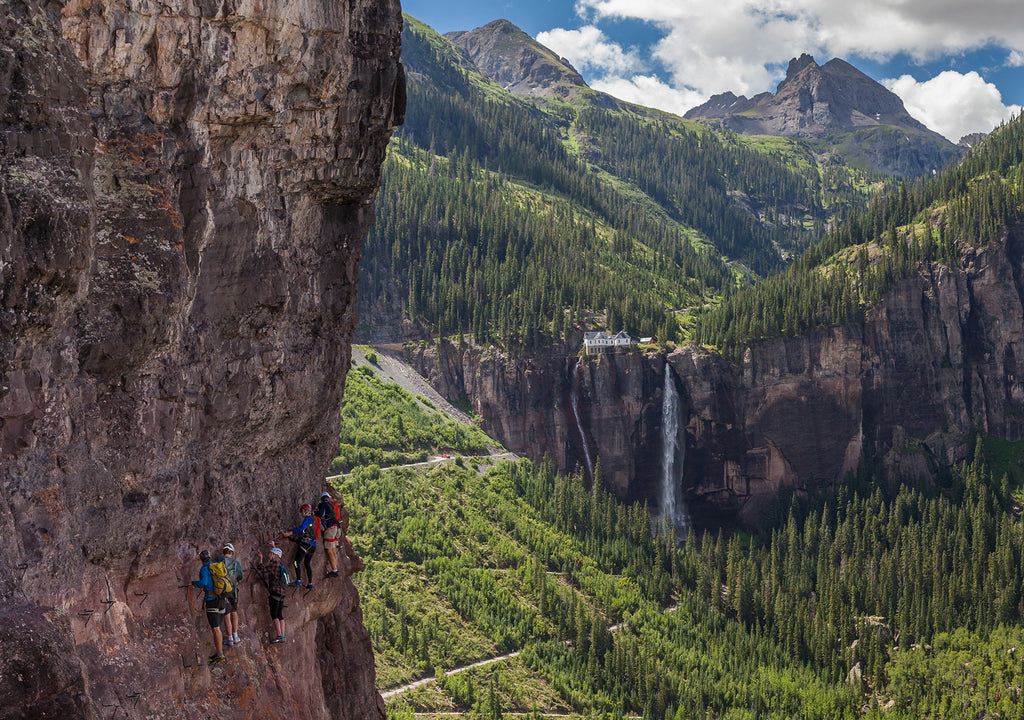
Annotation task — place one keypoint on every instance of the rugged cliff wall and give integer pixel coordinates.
(941, 356)
(528, 405)
(183, 191)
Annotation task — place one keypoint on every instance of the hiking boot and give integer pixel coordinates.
(332, 573)
(310, 586)
(297, 583)
(228, 642)
(279, 638)
(214, 659)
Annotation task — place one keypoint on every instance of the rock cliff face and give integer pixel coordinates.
(941, 356)
(183, 191)
(528, 406)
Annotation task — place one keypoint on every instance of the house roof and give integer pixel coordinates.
(602, 335)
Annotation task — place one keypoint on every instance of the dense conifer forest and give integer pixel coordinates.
(514, 223)
(882, 599)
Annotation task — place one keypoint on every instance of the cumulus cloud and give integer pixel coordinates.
(616, 71)
(709, 47)
(953, 104)
(1015, 59)
(744, 45)
(923, 28)
(650, 91)
(589, 49)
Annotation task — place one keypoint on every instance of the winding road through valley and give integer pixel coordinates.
(386, 694)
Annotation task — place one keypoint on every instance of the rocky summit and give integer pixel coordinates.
(835, 101)
(517, 62)
(812, 101)
(183, 194)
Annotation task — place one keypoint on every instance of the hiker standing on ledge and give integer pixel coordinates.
(236, 574)
(330, 518)
(275, 577)
(214, 605)
(306, 536)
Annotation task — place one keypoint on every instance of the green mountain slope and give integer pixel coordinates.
(923, 225)
(515, 222)
(383, 425)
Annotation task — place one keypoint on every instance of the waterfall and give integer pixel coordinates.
(673, 456)
(575, 402)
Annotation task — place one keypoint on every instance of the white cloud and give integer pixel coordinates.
(650, 91)
(710, 47)
(953, 104)
(923, 28)
(616, 71)
(744, 45)
(589, 49)
(1015, 59)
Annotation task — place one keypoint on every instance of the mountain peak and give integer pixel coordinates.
(813, 101)
(798, 64)
(834, 100)
(517, 62)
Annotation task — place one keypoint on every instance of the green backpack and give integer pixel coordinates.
(221, 583)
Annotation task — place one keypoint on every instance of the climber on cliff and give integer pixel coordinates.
(214, 605)
(330, 518)
(274, 575)
(236, 574)
(306, 535)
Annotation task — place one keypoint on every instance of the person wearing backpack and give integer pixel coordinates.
(235, 574)
(214, 604)
(274, 575)
(330, 519)
(306, 535)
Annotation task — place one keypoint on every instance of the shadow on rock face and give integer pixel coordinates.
(40, 675)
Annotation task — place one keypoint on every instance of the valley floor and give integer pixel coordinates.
(545, 599)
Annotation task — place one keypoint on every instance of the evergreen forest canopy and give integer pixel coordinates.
(924, 224)
(885, 600)
(517, 223)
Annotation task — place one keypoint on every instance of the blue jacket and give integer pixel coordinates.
(205, 582)
(306, 521)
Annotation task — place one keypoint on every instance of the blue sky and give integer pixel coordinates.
(958, 66)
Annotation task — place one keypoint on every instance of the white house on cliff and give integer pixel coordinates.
(595, 342)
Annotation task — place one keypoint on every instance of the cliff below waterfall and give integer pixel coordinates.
(183, 192)
(938, 358)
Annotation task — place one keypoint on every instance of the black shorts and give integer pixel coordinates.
(232, 601)
(215, 611)
(276, 608)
